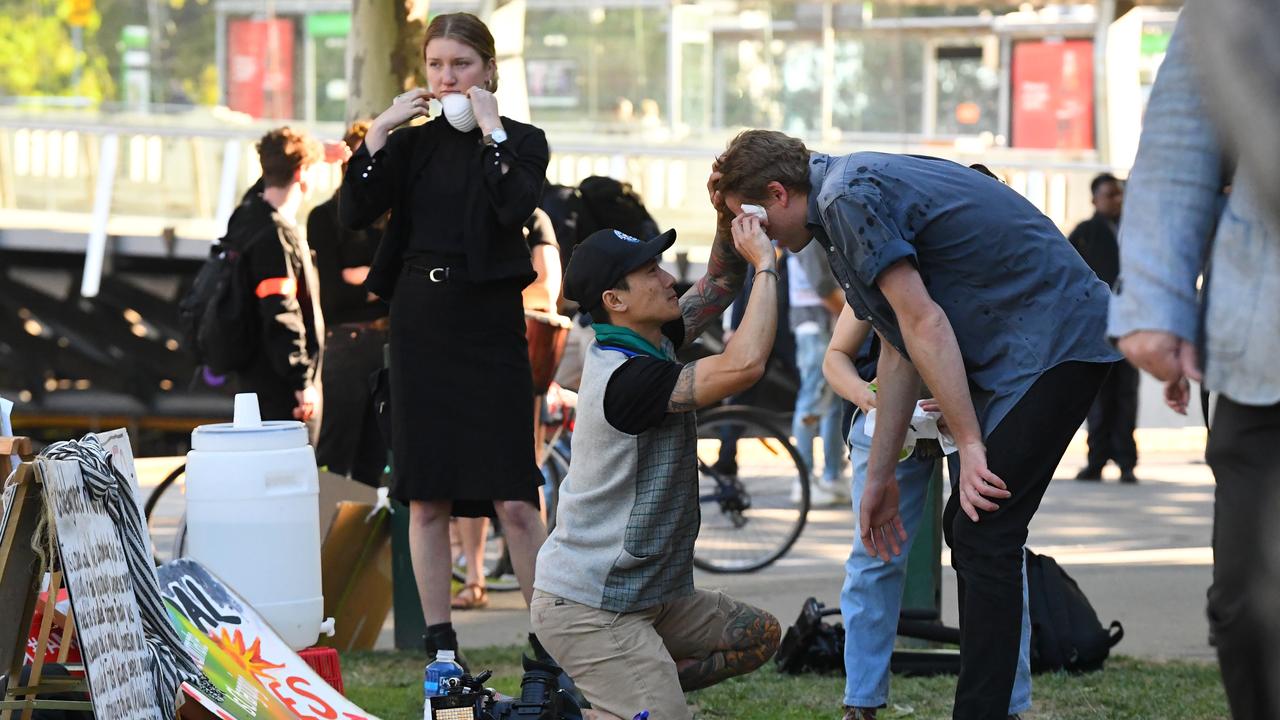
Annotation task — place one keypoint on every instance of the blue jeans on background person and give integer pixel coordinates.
(872, 595)
(815, 398)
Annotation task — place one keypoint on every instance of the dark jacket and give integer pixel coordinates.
(283, 279)
(337, 248)
(1096, 242)
(498, 250)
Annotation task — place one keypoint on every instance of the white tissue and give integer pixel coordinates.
(458, 111)
(757, 211)
(923, 426)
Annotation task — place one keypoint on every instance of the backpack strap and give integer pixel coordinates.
(1115, 634)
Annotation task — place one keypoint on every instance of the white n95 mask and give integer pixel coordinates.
(458, 111)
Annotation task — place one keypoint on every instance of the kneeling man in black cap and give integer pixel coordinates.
(614, 600)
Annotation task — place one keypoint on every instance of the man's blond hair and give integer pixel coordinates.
(755, 158)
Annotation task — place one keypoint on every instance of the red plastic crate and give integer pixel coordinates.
(324, 660)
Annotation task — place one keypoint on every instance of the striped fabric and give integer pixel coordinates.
(170, 664)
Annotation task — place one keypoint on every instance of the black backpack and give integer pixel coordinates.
(1065, 631)
(610, 203)
(218, 314)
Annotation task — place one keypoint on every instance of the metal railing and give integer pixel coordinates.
(166, 185)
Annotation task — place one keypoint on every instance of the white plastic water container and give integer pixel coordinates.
(253, 519)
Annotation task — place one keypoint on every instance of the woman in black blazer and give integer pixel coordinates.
(452, 264)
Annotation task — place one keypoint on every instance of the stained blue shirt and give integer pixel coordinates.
(1019, 297)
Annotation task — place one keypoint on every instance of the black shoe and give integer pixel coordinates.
(1127, 476)
(444, 639)
(1090, 473)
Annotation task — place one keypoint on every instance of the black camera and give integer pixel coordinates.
(541, 697)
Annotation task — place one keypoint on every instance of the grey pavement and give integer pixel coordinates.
(1140, 552)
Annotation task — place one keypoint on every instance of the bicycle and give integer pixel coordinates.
(754, 510)
(148, 508)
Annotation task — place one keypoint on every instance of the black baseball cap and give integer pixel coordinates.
(604, 258)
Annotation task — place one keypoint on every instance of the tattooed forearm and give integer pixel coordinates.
(708, 298)
(749, 640)
(683, 398)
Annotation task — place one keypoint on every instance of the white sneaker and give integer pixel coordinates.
(838, 489)
(820, 495)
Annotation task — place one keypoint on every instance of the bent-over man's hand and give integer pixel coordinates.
(879, 522)
(978, 485)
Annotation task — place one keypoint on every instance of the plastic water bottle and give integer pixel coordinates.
(433, 681)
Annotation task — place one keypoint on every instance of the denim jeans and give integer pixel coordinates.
(872, 594)
(816, 399)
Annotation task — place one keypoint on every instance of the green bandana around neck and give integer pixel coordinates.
(607, 334)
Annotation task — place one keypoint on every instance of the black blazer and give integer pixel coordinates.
(497, 250)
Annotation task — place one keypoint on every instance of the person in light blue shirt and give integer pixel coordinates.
(1178, 228)
(974, 291)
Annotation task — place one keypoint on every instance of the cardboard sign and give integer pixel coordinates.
(258, 675)
(117, 660)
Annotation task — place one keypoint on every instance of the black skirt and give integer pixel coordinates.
(461, 395)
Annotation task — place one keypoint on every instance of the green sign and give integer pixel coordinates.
(1155, 42)
(321, 25)
(134, 37)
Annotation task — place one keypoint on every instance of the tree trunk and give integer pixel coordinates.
(384, 53)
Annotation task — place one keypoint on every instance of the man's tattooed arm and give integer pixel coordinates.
(749, 640)
(683, 395)
(708, 298)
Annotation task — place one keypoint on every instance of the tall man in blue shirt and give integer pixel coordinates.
(975, 292)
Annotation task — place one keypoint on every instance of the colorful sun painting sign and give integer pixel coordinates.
(252, 673)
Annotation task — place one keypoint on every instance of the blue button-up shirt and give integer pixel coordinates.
(1019, 297)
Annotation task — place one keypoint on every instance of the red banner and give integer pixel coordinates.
(1053, 94)
(260, 67)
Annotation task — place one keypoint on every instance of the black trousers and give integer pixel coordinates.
(350, 442)
(1023, 450)
(1112, 419)
(1246, 549)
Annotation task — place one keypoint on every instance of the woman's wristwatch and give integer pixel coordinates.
(494, 138)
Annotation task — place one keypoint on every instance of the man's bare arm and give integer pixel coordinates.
(930, 339)
(708, 298)
(741, 365)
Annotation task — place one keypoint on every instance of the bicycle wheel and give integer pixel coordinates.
(165, 527)
(754, 496)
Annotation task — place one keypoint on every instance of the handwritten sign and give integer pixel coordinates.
(117, 661)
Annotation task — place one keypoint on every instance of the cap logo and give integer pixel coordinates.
(623, 236)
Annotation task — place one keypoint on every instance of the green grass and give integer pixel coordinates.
(389, 685)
